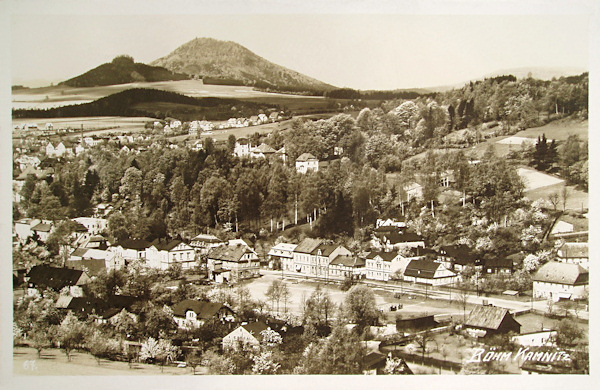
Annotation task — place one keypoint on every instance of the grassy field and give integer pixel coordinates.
(62, 95)
(54, 362)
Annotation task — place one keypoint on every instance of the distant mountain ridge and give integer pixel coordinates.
(212, 58)
(122, 70)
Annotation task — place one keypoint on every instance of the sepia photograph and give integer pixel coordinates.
(370, 189)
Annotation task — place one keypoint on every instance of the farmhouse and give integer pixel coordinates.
(487, 320)
(93, 261)
(307, 162)
(246, 336)
(395, 239)
(429, 272)
(41, 277)
(558, 281)
(191, 313)
(232, 263)
(262, 151)
(457, 257)
(130, 249)
(574, 253)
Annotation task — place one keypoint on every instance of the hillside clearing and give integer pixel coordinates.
(534, 179)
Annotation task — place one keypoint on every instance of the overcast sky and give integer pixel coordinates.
(358, 51)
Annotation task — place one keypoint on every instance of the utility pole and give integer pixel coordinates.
(296, 211)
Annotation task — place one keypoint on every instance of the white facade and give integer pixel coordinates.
(93, 225)
(303, 165)
(182, 254)
(557, 291)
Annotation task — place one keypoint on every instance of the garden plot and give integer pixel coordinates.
(534, 179)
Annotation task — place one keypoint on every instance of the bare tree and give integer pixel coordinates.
(554, 199)
(565, 194)
(462, 297)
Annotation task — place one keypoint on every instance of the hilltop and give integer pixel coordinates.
(213, 59)
(122, 70)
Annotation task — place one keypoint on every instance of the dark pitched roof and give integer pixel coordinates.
(133, 244)
(91, 266)
(228, 252)
(55, 278)
(487, 317)
(574, 249)
(308, 245)
(42, 227)
(306, 157)
(79, 252)
(460, 252)
(562, 273)
(399, 237)
(498, 262)
(420, 251)
(203, 309)
(386, 256)
(325, 249)
(421, 268)
(348, 261)
(165, 245)
(374, 360)
(255, 328)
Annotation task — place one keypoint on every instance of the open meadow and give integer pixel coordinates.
(60, 95)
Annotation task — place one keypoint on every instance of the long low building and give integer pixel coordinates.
(558, 281)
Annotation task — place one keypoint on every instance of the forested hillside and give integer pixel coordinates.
(122, 70)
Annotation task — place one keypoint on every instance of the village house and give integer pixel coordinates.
(282, 154)
(574, 253)
(558, 281)
(488, 320)
(382, 265)
(93, 261)
(274, 116)
(39, 173)
(413, 191)
(429, 272)
(42, 230)
(130, 250)
(412, 323)
(242, 147)
(262, 151)
(536, 339)
(23, 228)
(280, 254)
(312, 258)
(562, 227)
(307, 162)
(230, 264)
(163, 253)
(346, 267)
(391, 238)
(93, 225)
(457, 257)
(246, 336)
(191, 313)
(28, 161)
(498, 265)
(41, 277)
(202, 243)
